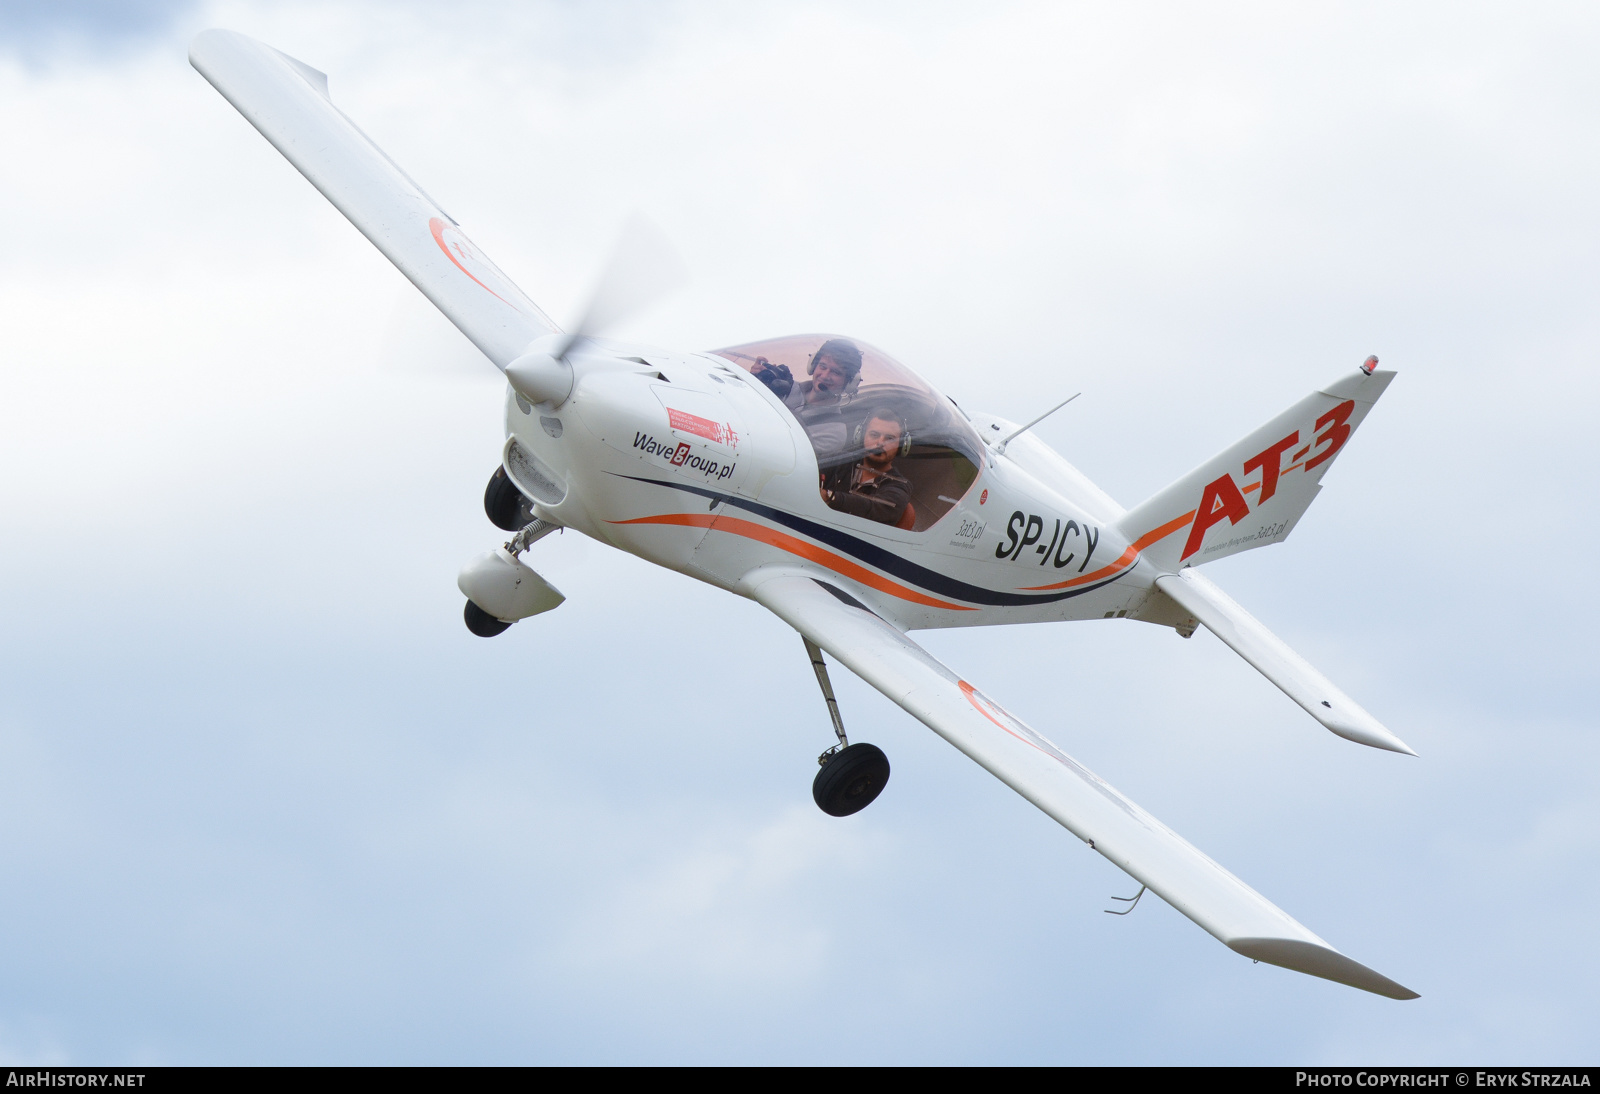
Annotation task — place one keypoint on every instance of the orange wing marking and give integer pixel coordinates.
(809, 551)
(437, 227)
(1126, 559)
(990, 709)
(981, 703)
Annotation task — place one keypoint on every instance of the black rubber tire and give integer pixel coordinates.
(851, 781)
(481, 623)
(504, 504)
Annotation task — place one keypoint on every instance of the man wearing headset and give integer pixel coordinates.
(871, 487)
(816, 402)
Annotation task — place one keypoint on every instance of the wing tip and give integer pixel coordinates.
(1365, 731)
(1321, 961)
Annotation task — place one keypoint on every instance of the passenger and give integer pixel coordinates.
(871, 487)
(816, 402)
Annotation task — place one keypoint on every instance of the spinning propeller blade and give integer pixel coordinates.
(643, 268)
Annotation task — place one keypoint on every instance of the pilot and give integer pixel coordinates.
(871, 487)
(816, 402)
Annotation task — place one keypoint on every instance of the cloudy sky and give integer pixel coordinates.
(266, 800)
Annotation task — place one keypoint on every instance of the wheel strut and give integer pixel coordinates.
(821, 667)
(851, 775)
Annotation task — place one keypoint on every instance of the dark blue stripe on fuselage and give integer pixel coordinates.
(873, 555)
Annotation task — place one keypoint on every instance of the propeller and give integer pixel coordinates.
(643, 267)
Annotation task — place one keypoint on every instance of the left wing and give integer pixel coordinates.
(1077, 798)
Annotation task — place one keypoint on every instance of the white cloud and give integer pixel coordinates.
(736, 909)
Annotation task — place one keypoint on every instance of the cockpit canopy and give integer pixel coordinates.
(939, 454)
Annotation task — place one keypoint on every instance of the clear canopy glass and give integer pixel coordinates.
(853, 401)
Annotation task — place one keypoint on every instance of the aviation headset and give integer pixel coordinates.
(858, 440)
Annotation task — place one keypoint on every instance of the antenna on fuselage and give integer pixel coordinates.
(1000, 449)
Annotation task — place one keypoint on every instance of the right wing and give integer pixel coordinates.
(288, 102)
(1074, 796)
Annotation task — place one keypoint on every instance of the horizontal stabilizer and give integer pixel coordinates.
(1201, 598)
(1064, 789)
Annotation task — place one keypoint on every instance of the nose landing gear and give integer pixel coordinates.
(852, 775)
(500, 589)
(482, 624)
(504, 504)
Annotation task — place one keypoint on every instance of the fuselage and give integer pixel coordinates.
(691, 461)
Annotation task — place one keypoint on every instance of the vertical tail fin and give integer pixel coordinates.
(1254, 492)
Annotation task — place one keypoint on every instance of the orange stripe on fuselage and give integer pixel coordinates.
(1127, 557)
(809, 551)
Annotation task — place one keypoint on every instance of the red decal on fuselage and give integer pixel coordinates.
(702, 427)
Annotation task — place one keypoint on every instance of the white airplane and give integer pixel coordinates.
(829, 483)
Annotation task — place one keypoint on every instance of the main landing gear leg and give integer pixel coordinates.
(852, 775)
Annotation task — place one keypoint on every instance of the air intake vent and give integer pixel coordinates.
(532, 476)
